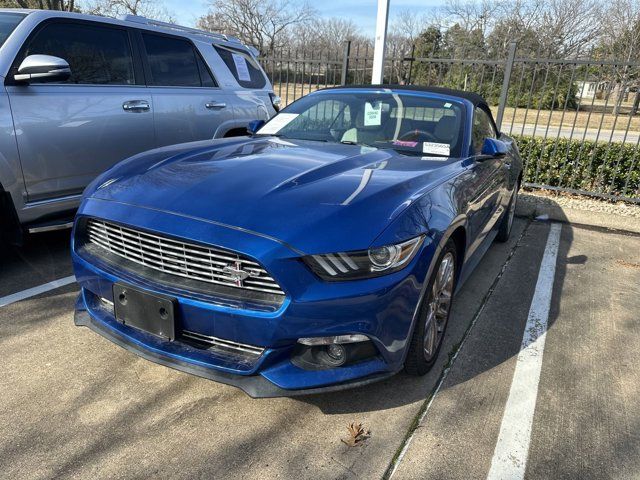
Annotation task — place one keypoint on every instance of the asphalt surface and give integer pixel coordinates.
(73, 405)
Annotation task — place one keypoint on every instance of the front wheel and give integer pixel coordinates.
(433, 315)
(504, 231)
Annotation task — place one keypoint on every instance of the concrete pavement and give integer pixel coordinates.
(73, 405)
(587, 414)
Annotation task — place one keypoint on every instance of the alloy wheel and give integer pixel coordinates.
(512, 209)
(439, 306)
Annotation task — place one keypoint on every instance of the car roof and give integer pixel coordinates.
(476, 99)
(136, 21)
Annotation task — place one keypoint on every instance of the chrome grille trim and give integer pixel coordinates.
(228, 344)
(187, 260)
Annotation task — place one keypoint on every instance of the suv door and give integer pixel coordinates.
(489, 181)
(188, 105)
(69, 132)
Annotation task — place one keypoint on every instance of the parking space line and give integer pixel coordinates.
(32, 292)
(512, 448)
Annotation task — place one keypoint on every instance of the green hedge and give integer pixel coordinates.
(600, 168)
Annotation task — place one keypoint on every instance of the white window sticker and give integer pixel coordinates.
(432, 148)
(241, 67)
(277, 123)
(447, 105)
(372, 114)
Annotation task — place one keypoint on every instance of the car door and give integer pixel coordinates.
(188, 104)
(69, 132)
(488, 178)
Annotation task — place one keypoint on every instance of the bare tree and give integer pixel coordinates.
(115, 8)
(569, 26)
(621, 40)
(63, 5)
(323, 34)
(261, 23)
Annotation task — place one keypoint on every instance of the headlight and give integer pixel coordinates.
(364, 263)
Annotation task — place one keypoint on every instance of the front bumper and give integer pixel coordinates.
(256, 386)
(382, 309)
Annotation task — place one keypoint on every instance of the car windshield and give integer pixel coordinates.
(412, 124)
(8, 22)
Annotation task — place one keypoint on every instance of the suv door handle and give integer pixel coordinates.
(136, 106)
(215, 105)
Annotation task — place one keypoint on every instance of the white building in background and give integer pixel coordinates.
(592, 88)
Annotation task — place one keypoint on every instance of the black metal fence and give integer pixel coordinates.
(577, 121)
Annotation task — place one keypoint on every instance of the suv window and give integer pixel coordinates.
(243, 67)
(8, 23)
(482, 128)
(96, 55)
(175, 63)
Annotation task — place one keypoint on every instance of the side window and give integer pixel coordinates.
(96, 55)
(243, 66)
(174, 63)
(482, 128)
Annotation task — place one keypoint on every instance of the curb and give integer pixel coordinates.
(531, 207)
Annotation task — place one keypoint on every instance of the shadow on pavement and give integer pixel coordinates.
(42, 258)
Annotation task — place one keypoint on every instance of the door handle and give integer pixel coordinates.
(136, 106)
(215, 105)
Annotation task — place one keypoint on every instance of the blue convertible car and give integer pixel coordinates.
(322, 252)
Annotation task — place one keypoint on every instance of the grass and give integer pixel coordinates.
(581, 119)
(554, 118)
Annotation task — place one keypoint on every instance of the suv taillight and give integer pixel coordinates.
(276, 101)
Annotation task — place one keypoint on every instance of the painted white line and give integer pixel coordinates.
(452, 361)
(512, 449)
(32, 292)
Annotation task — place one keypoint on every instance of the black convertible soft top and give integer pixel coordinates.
(474, 98)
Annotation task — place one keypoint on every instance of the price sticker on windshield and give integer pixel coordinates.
(277, 123)
(432, 148)
(372, 114)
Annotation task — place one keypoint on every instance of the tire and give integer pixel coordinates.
(430, 329)
(504, 231)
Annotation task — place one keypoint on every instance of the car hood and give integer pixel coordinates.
(314, 196)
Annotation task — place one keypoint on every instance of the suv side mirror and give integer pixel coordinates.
(494, 148)
(254, 126)
(44, 68)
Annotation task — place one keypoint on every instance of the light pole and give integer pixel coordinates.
(381, 40)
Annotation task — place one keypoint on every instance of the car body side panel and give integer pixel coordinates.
(11, 178)
(181, 113)
(68, 134)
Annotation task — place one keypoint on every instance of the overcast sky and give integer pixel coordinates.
(362, 12)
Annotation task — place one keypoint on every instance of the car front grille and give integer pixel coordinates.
(186, 260)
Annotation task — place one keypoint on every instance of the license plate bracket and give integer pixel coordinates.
(150, 312)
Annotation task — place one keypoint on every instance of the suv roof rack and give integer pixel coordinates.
(179, 28)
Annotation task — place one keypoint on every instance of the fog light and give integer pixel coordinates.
(337, 354)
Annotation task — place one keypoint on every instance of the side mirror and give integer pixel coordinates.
(43, 68)
(494, 148)
(254, 126)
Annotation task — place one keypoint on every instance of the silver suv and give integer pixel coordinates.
(81, 92)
